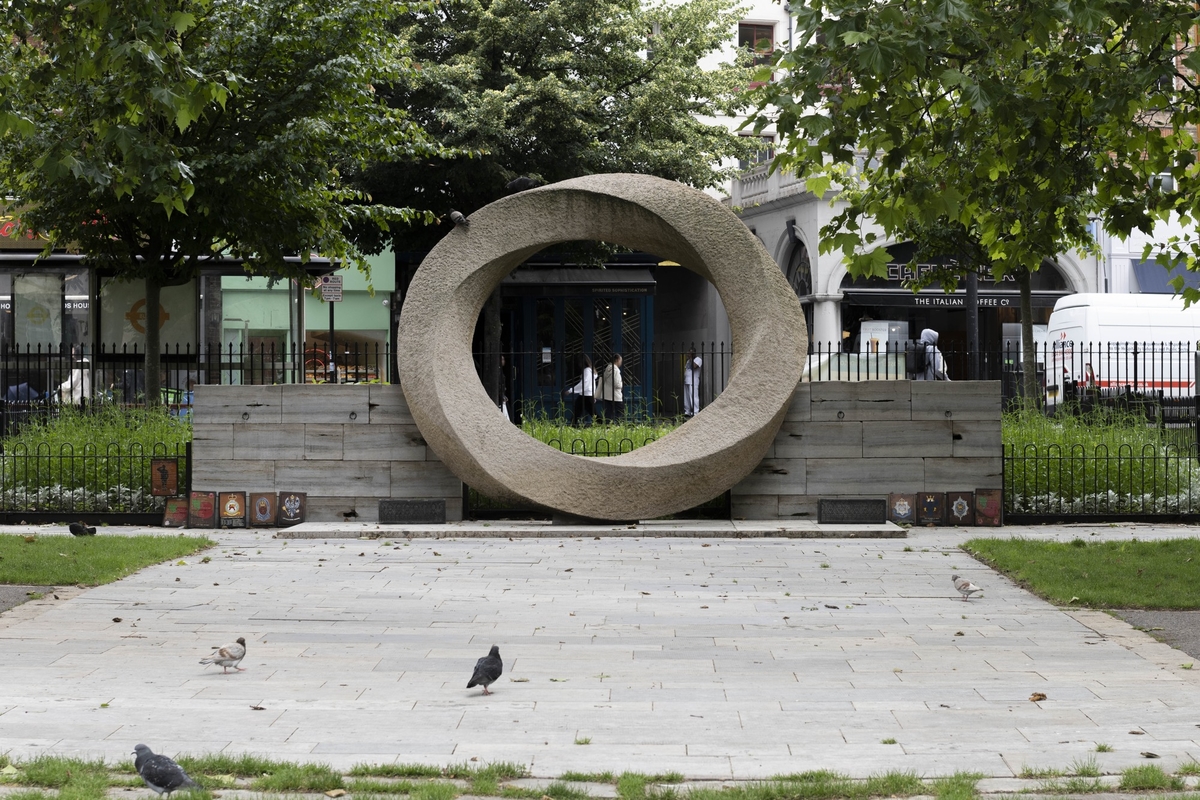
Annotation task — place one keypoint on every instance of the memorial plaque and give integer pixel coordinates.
(233, 509)
(960, 508)
(202, 510)
(291, 508)
(987, 507)
(931, 508)
(262, 509)
(175, 512)
(902, 508)
(412, 512)
(852, 512)
(164, 477)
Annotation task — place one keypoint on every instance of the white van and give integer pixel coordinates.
(1147, 342)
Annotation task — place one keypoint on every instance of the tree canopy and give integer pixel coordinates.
(1003, 129)
(555, 89)
(156, 135)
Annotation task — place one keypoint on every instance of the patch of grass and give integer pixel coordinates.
(596, 440)
(395, 771)
(241, 766)
(1074, 785)
(54, 772)
(1148, 777)
(583, 740)
(959, 786)
(631, 786)
(299, 778)
(587, 777)
(434, 791)
(1189, 768)
(561, 791)
(665, 777)
(92, 560)
(1101, 747)
(1040, 772)
(888, 740)
(1153, 575)
(374, 786)
(1087, 768)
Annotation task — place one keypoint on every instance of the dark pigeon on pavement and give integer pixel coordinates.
(487, 670)
(522, 184)
(458, 219)
(79, 529)
(161, 773)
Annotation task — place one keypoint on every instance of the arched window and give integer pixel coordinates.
(799, 275)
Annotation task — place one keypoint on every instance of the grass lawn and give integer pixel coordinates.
(91, 561)
(1149, 575)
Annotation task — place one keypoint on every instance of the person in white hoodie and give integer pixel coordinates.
(612, 402)
(935, 365)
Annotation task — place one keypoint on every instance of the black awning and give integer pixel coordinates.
(578, 282)
(935, 298)
(1152, 277)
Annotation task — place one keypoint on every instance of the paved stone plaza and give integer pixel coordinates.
(715, 657)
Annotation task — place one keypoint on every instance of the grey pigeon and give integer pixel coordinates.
(964, 587)
(458, 219)
(161, 773)
(228, 656)
(487, 670)
(79, 529)
(522, 183)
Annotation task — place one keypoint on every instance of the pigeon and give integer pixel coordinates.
(487, 670)
(161, 773)
(522, 183)
(964, 587)
(228, 656)
(458, 219)
(79, 529)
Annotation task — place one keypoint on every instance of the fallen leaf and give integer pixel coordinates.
(1073, 600)
(258, 708)
(474, 758)
(569, 569)
(645, 593)
(829, 606)
(336, 793)
(1037, 697)
(116, 619)
(704, 606)
(1138, 733)
(943, 705)
(9, 770)
(959, 633)
(559, 680)
(31, 539)
(1148, 754)
(519, 680)
(436, 553)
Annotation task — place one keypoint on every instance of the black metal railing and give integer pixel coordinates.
(1077, 483)
(117, 483)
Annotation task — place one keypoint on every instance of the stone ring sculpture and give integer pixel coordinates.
(702, 458)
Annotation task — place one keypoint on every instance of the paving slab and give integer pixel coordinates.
(721, 657)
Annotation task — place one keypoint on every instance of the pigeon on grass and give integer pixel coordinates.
(228, 656)
(80, 529)
(964, 587)
(161, 773)
(487, 670)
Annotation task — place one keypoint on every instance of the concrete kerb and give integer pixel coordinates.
(724, 659)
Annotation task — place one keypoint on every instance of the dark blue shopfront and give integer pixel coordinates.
(554, 317)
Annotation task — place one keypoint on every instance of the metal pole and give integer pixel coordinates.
(973, 325)
(331, 368)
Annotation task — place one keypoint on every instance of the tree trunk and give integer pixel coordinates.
(153, 352)
(491, 347)
(1031, 390)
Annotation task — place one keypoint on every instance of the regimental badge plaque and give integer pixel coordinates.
(233, 509)
(175, 512)
(262, 509)
(164, 477)
(202, 510)
(902, 508)
(931, 508)
(960, 508)
(291, 509)
(987, 507)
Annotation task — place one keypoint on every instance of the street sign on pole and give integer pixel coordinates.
(331, 288)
